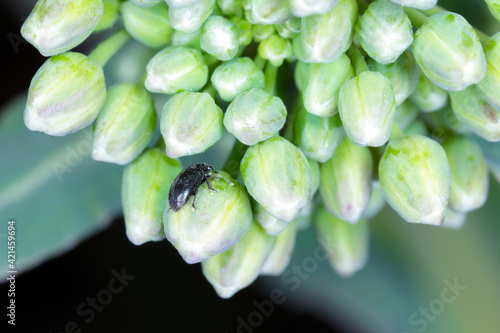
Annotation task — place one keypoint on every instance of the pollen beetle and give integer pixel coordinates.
(187, 182)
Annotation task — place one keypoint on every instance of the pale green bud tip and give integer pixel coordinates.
(469, 174)
(419, 4)
(427, 96)
(275, 49)
(346, 179)
(301, 8)
(384, 31)
(337, 28)
(220, 38)
(317, 137)
(494, 7)
(377, 201)
(231, 7)
(269, 11)
(65, 95)
(175, 69)
(245, 30)
(271, 225)
(125, 125)
(281, 253)
(322, 85)
(236, 76)
(191, 15)
(145, 186)
(346, 244)
(190, 124)
(278, 176)
(219, 221)
(454, 219)
(57, 26)
(148, 25)
(238, 267)
(367, 106)
(474, 112)
(449, 52)
(489, 87)
(255, 116)
(261, 32)
(415, 176)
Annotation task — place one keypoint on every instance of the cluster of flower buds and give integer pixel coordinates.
(336, 107)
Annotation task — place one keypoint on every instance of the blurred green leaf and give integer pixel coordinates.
(50, 186)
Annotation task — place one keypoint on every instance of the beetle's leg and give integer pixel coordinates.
(194, 198)
(210, 185)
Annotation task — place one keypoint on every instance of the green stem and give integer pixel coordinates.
(107, 48)
(232, 165)
(271, 74)
(357, 59)
(259, 62)
(396, 132)
(210, 89)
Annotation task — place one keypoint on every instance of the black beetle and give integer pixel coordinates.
(186, 184)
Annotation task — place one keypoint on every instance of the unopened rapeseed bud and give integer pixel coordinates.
(419, 4)
(190, 17)
(125, 125)
(190, 124)
(489, 87)
(427, 96)
(281, 253)
(65, 95)
(275, 49)
(269, 223)
(148, 3)
(220, 38)
(269, 11)
(219, 220)
(415, 176)
(301, 8)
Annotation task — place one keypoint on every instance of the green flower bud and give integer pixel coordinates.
(454, 220)
(148, 25)
(175, 69)
(275, 49)
(261, 32)
(384, 31)
(269, 223)
(337, 28)
(314, 174)
(476, 113)
(190, 124)
(255, 116)
(301, 8)
(219, 221)
(191, 40)
(304, 216)
(238, 267)
(278, 176)
(427, 96)
(417, 128)
(449, 52)
(289, 29)
(377, 201)
(125, 125)
(145, 185)
(230, 7)
(281, 253)
(190, 17)
(109, 16)
(346, 179)
(269, 11)
(450, 120)
(403, 74)
(300, 75)
(346, 244)
(321, 89)
(494, 7)
(181, 3)
(220, 38)
(489, 87)
(147, 3)
(469, 174)
(245, 30)
(406, 113)
(65, 95)
(415, 176)
(419, 4)
(56, 26)
(236, 76)
(367, 107)
(317, 137)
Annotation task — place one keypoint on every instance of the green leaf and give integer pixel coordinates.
(51, 188)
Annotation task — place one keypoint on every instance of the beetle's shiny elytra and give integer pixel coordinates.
(186, 184)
